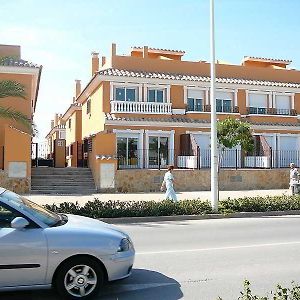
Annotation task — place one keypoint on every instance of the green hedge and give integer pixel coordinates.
(116, 209)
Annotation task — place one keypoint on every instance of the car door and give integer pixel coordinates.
(23, 252)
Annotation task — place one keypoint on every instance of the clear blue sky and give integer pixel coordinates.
(60, 35)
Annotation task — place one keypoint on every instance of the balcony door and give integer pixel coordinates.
(158, 155)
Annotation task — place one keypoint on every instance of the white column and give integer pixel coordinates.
(111, 91)
(185, 89)
(293, 100)
(140, 93)
(235, 97)
(271, 99)
(214, 150)
(171, 146)
(145, 93)
(206, 96)
(247, 98)
(168, 94)
(141, 149)
(146, 149)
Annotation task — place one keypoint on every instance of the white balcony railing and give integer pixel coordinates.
(140, 107)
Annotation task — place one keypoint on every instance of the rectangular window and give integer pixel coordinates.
(62, 134)
(127, 152)
(223, 105)
(224, 101)
(88, 106)
(195, 100)
(156, 95)
(283, 104)
(126, 94)
(258, 103)
(70, 123)
(195, 104)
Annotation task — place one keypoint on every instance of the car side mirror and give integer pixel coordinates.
(19, 223)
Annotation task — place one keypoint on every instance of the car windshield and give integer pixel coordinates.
(46, 216)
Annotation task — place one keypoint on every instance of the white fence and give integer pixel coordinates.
(187, 162)
(257, 162)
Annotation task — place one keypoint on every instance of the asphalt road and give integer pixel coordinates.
(204, 259)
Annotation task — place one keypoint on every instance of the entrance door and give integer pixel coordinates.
(23, 253)
(158, 152)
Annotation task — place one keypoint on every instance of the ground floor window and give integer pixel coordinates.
(158, 154)
(127, 152)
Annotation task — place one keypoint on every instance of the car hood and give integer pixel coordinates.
(85, 224)
(85, 235)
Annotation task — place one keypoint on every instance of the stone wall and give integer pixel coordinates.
(196, 180)
(18, 185)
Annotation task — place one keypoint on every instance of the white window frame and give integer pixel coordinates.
(62, 134)
(166, 88)
(128, 133)
(260, 92)
(126, 85)
(291, 97)
(155, 95)
(160, 133)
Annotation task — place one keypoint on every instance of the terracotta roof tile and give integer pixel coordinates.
(15, 62)
(196, 78)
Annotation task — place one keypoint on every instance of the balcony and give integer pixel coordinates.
(219, 109)
(271, 111)
(140, 107)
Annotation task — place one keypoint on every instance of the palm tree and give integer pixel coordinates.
(9, 88)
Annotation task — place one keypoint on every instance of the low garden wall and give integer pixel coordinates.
(143, 180)
(18, 185)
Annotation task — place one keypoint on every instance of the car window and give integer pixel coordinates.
(24, 205)
(6, 216)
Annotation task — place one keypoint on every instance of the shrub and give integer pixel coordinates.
(280, 293)
(116, 209)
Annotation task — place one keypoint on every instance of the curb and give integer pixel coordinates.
(129, 220)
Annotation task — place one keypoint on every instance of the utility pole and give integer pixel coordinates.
(214, 148)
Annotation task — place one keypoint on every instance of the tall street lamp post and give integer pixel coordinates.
(214, 149)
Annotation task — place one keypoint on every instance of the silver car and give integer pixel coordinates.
(74, 254)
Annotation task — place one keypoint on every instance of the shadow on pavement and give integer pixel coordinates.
(142, 284)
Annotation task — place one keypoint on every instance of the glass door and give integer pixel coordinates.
(158, 155)
(127, 152)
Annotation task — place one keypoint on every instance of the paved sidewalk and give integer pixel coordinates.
(82, 199)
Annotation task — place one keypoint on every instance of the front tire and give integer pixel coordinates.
(79, 278)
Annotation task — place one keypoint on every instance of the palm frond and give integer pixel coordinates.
(9, 113)
(10, 88)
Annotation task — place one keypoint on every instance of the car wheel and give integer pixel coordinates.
(79, 278)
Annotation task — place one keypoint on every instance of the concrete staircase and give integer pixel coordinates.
(66, 181)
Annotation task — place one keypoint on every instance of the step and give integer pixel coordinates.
(62, 192)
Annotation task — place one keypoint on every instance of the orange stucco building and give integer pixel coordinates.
(15, 138)
(151, 108)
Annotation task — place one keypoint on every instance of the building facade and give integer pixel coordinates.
(151, 108)
(15, 138)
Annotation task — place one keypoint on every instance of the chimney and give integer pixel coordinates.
(113, 49)
(95, 62)
(78, 87)
(56, 120)
(103, 61)
(52, 124)
(145, 52)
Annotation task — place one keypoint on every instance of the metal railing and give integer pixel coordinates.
(271, 111)
(219, 109)
(228, 158)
